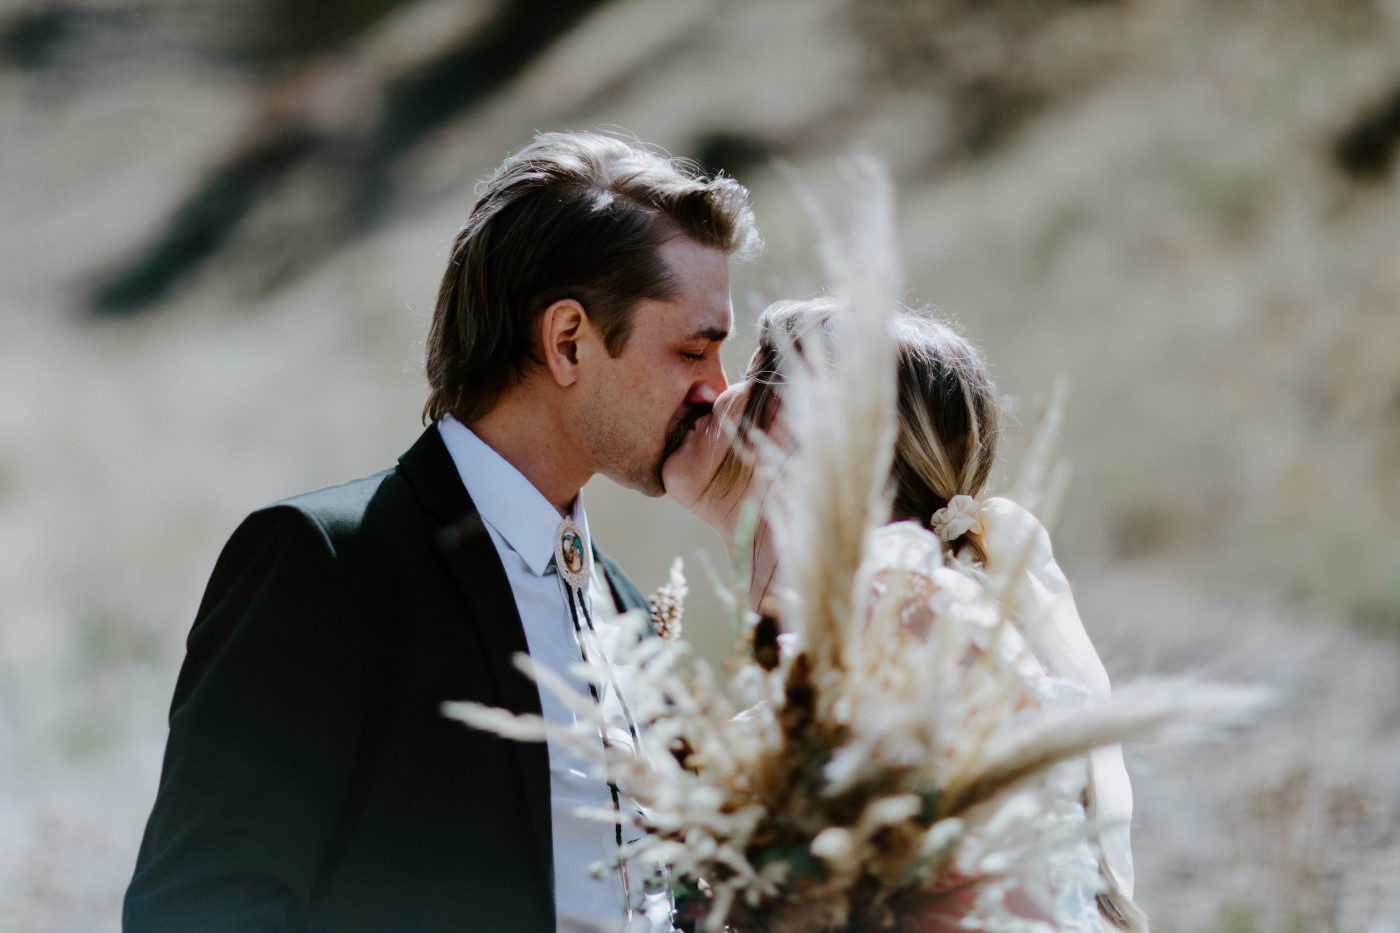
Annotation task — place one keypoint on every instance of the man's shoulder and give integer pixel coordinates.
(353, 525)
(361, 510)
(390, 493)
(344, 505)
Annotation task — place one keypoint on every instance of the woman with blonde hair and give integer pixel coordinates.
(945, 448)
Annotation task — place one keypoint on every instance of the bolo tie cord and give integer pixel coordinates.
(578, 608)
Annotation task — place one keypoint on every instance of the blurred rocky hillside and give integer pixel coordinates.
(223, 226)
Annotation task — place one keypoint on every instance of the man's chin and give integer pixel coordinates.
(654, 487)
(646, 482)
(646, 478)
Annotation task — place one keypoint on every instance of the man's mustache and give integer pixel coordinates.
(680, 427)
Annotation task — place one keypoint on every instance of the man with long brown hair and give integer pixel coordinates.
(310, 781)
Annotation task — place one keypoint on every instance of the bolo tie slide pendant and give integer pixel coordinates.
(571, 557)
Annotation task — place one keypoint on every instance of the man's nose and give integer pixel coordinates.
(709, 386)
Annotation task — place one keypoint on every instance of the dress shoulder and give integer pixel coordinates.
(904, 546)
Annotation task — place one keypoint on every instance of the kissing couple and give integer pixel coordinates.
(310, 780)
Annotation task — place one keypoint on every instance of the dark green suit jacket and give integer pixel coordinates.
(310, 780)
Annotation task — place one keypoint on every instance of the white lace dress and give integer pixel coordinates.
(907, 549)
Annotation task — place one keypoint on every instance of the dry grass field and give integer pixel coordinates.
(1143, 196)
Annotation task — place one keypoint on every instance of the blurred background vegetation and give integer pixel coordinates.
(224, 223)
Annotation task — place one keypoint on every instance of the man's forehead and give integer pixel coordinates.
(702, 318)
(699, 308)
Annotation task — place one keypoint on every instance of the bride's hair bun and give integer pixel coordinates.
(948, 427)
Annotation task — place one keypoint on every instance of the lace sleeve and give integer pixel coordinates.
(905, 555)
(1020, 558)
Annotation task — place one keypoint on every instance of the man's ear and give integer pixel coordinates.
(563, 325)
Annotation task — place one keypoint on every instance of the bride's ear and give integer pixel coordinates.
(564, 325)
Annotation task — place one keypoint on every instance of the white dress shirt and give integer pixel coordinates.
(523, 525)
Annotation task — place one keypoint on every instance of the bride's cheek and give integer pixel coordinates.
(719, 438)
(714, 448)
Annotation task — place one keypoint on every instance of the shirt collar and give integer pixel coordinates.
(505, 499)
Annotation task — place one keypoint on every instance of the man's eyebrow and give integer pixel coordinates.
(713, 334)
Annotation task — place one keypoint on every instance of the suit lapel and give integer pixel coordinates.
(471, 558)
(625, 594)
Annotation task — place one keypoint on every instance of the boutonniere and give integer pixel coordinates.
(667, 604)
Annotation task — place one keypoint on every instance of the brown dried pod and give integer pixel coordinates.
(682, 751)
(800, 698)
(765, 635)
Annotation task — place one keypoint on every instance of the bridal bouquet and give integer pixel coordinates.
(856, 772)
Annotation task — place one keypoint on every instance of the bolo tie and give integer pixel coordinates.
(575, 564)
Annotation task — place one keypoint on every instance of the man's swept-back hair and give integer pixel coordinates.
(572, 215)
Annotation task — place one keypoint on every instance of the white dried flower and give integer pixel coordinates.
(835, 845)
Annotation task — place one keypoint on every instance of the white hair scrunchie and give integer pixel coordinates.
(963, 514)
